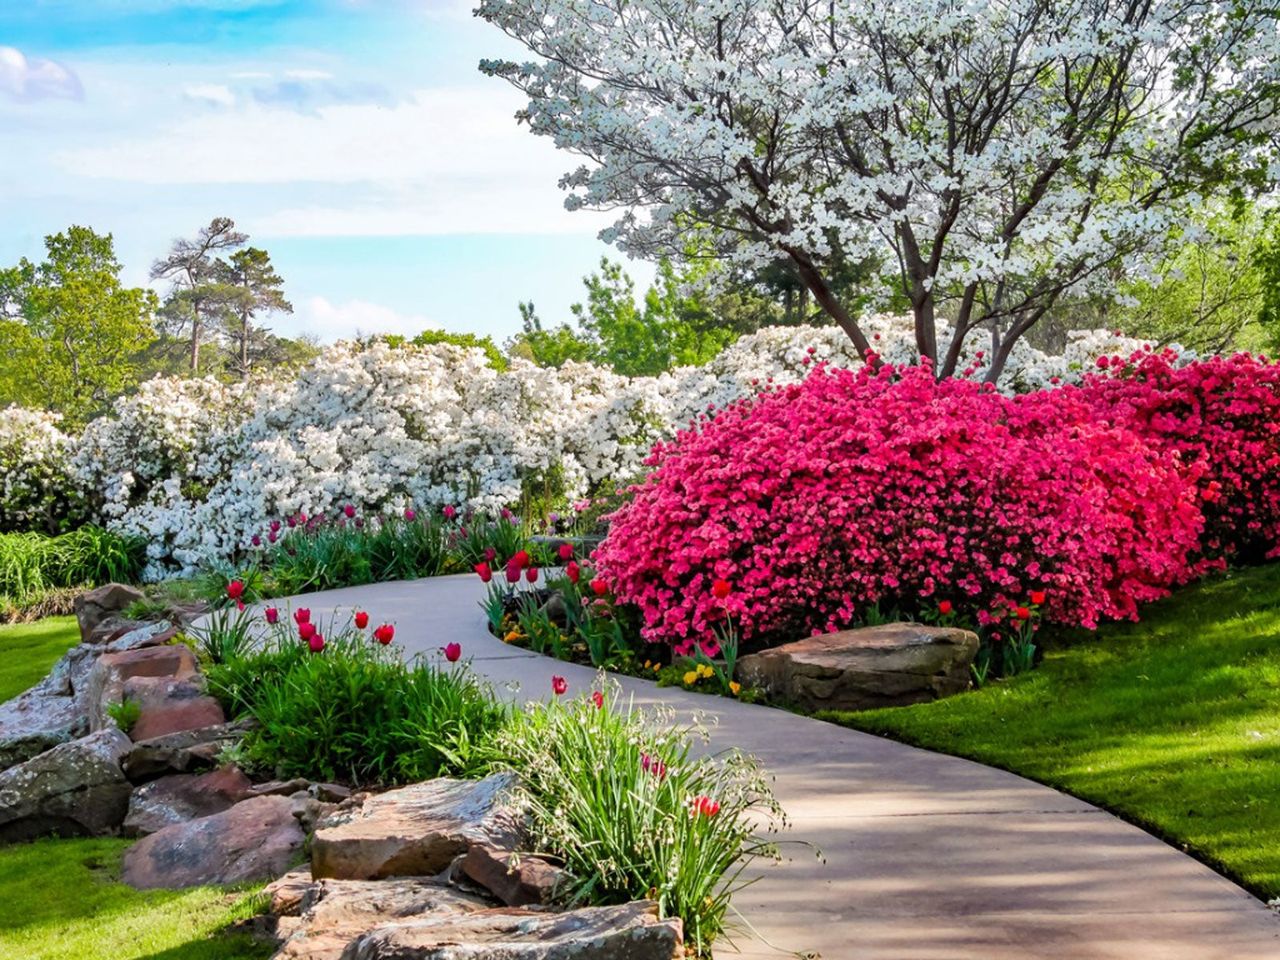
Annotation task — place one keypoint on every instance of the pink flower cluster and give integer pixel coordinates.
(885, 486)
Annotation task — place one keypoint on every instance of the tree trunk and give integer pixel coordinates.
(827, 300)
(195, 340)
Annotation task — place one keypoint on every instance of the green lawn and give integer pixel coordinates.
(61, 900)
(28, 650)
(1172, 723)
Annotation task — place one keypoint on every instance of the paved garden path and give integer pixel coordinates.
(926, 856)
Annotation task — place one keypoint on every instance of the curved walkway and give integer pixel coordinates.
(927, 857)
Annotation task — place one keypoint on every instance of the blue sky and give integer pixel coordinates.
(353, 139)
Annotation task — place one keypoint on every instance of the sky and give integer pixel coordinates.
(354, 140)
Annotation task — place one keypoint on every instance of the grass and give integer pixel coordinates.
(62, 900)
(1172, 723)
(28, 650)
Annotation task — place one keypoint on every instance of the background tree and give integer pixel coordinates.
(990, 157)
(200, 292)
(547, 347)
(258, 290)
(72, 333)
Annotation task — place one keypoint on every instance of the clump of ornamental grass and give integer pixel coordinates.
(619, 796)
(33, 565)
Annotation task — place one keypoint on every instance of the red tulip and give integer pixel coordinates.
(521, 559)
(271, 537)
(513, 572)
(483, 570)
(598, 699)
(599, 586)
(531, 574)
(945, 607)
(566, 551)
(384, 634)
(1022, 613)
(449, 512)
(275, 526)
(306, 630)
(349, 510)
(235, 589)
(573, 571)
(1037, 597)
(272, 615)
(362, 619)
(559, 685)
(705, 806)
(302, 615)
(409, 514)
(721, 589)
(452, 652)
(489, 554)
(256, 540)
(653, 766)
(316, 643)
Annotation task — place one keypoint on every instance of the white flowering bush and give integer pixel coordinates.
(37, 489)
(200, 468)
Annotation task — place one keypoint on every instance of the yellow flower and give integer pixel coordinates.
(706, 671)
(647, 664)
(513, 635)
(656, 668)
(735, 687)
(691, 678)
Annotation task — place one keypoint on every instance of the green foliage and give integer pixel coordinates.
(628, 829)
(356, 713)
(63, 900)
(226, 634)
(32, 564)
(71, 330)
(28, 650)
(331, 556)
(428, 337)
(125, 713)
(1174, 722)
(552, 347)
(504, 535)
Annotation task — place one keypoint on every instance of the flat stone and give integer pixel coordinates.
(183, 796)
(147, 635)
(414, 831)
(75, 789)
(884, 666)
(51, 712)
(94, 606)
(335, 912)
(107, 681)
(180, 752)
(630, 931)
(286, 894)
(170, 706)
(257, 839)
(330, 792)
(516, 880)
(279, 788)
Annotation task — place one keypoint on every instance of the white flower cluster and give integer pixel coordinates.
(37, 491)
(200, 468)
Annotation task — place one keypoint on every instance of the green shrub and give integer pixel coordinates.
(356, 713)
(125, 713)
(618, 795)
(226, 634)
(32, 565)
(407, 550)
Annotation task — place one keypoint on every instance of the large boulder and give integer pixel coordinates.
(112, 671)
(168, 705)
(54, 711)
(74, 789)
(630, 931)
(257, 839)
(183, 796)
(95, 606)
(147, 635)
(414, 831)
(884, 666)
(518, 880)
(335, 912)
(182, 752)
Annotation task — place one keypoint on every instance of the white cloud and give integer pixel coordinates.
(337, 321)
(217, 94)
(32, 78)
(308, 74)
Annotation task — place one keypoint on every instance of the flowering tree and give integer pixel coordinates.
(988, 156)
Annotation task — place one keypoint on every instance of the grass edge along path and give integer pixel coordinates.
(1172, 723)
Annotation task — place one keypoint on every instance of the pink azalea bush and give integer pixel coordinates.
(885, 486)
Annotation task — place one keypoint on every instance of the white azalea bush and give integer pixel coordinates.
(200, 468)
(37, 488)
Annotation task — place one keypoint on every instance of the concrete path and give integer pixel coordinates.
(927, 857)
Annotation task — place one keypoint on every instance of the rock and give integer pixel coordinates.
(93, 607)
(183, 796)
(309, 811)
(516, 880)
(180, 752)
(890, 665)
(335, 912)
(286, 894)
(147, 635)
(169, 706)
(257, 839)
(280, 788)
(630, 931)
(330, 792)
(112, 671)
(414, 831)
(51, 712)
(75, 789)
(555, 609)
(112, 629)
